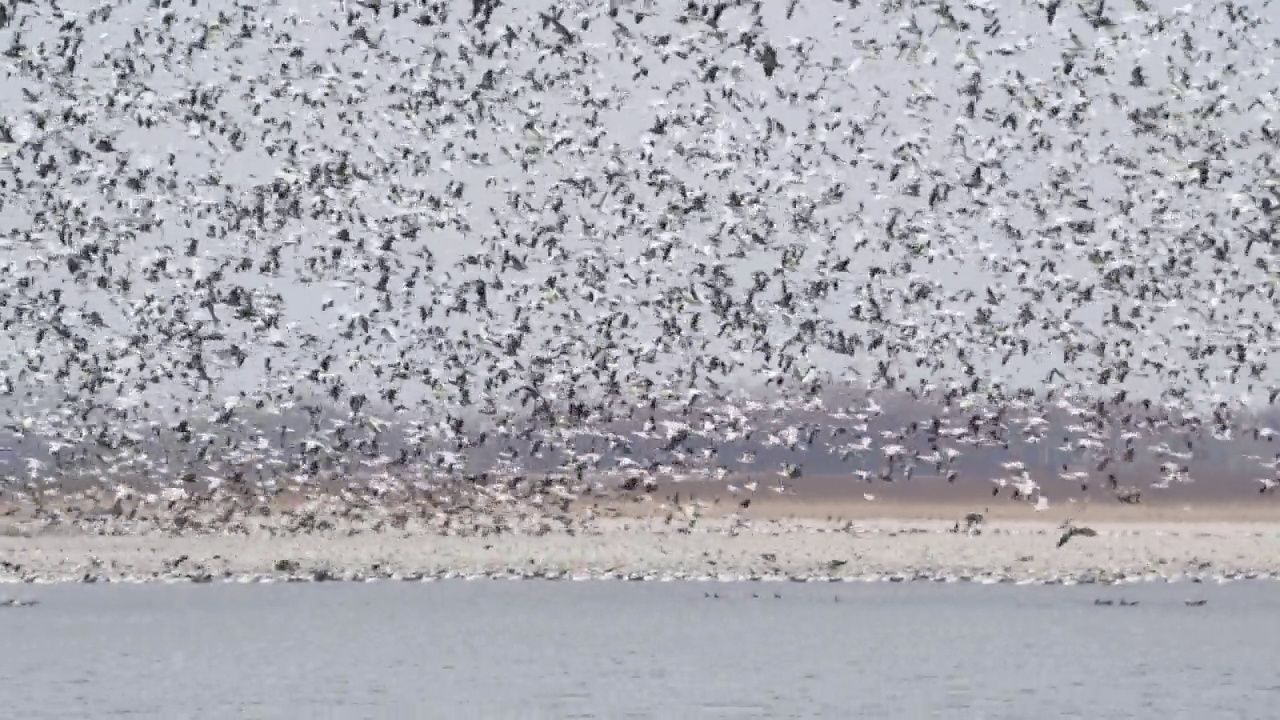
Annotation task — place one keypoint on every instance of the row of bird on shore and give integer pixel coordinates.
(383, 242)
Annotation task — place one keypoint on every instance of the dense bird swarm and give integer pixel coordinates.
(274, 243)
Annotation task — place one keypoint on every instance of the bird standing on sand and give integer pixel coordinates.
(973, 519)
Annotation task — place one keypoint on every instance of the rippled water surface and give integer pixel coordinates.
(614, 650)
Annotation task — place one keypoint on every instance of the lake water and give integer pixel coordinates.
(497, 649)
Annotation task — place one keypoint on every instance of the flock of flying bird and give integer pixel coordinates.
(271, 245)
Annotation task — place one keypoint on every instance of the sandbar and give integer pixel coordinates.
(785, 539)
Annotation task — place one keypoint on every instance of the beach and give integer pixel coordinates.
(326, 539)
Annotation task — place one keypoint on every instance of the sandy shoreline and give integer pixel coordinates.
(555, 533)
(724, 549)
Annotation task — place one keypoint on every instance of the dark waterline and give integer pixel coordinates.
(613, 650)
